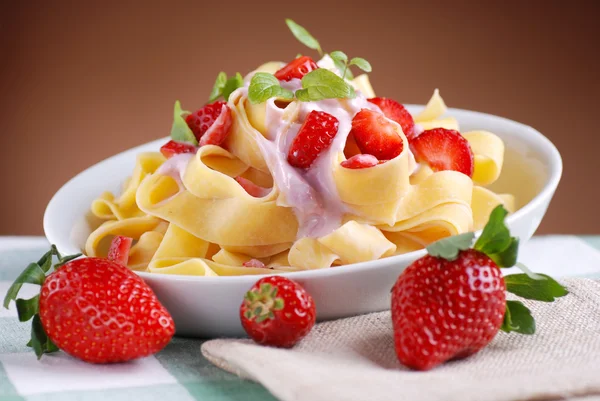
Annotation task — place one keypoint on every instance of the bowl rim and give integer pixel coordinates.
(542, 144)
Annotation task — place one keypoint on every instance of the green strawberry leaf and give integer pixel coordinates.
(231, 85)
(323, 84)
(180, 131)
(40, 342)
(303, 36)
(448, 248)
(495, 240)
(33, 274)
(217, 89)
(544, 289)
(518, 318)
(361, 63)
(264, 86)
(27, 308)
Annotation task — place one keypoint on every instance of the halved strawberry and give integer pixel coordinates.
(315, 135)
(173, 148)
(211, 123)
(375, 135)
(296, 69)
(252, 188)
(444, 149)
(395, 111)
(360, 161)
(119, 249)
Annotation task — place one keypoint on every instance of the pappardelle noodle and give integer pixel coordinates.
(241, 208)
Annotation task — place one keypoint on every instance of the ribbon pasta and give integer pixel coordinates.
(192, 217)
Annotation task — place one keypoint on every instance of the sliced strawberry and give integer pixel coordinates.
(375, 135)
(395, 111)
(315, 135)
(211, 123)
(444, 149)
(360, 161)
(252, 188)
(296, 69)
(254, 263)
(119, 250)
(173, 148)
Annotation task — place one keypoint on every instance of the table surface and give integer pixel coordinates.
(179, 372)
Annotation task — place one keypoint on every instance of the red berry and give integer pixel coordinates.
(375, 135)
(101, 312)
(395, 111)
(254, 263)
(360, 161)
(211, 123)
(296, 69)
(277, 311)
(444, 149)
(251, 188)
(119, 249)
(444, 310)
(315, 135)
(173, 148)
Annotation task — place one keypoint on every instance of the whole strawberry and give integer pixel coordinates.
(93, 309)
(451, 303)
(278, 312)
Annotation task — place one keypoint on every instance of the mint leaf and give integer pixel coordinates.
(217, 89)
(323, 84)
(231, 85)
(448, 248)
(303, 36)
(544, 289)
(495, 240)
(340, 65)
(264, 86)
(179, 130)
(339, 56)
(518, 318)
(361, 63)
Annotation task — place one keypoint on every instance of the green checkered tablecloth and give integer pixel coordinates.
(180, 372)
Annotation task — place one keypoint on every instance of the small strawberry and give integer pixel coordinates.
(444, 149)
(451, 303)
(315, 135)
(173, 148)
(296, 69)
(375, 135)
(211, 123)
(278, 312)
(119, 249)
(395, 111)
(93, 309)
(251, 188)
(360, 161)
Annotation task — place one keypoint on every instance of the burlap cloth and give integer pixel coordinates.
(354, 359)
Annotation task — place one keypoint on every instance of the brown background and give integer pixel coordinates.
(82, 80)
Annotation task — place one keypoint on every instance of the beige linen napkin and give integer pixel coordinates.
(354, 359)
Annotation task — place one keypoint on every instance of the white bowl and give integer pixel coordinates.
(209, 306)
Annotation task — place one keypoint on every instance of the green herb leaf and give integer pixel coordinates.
(518, 318)
(232, 84)
(217, 89)
(323, 84)
(33, 274)
(495, 240)
(545, 289)
(303, 36)
(179, 130)
(361, 63)
(27, 308)
(449, 247)
(264, 86)
(339, 56)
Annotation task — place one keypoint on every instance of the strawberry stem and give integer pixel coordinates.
(262, 302)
